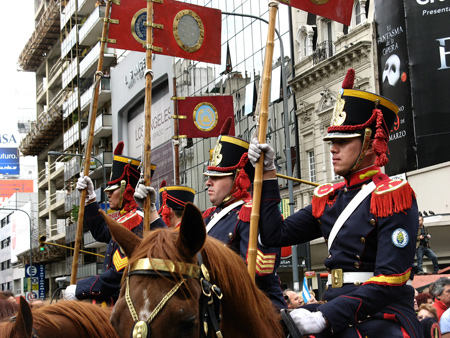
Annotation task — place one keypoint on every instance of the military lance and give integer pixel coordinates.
(90, 141)
(262, 131)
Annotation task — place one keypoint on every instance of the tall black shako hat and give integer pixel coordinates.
(230, 157)
(125, 174)
(175, 197)
(359, 113)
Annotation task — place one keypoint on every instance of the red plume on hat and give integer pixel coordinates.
(349, 79)
(119, 148)
(225, 130)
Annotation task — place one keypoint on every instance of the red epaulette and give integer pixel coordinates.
(130, 220)
(246, 211)
(323, 195)
(208, 212)
(391, 196)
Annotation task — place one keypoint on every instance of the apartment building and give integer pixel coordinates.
(63, 51)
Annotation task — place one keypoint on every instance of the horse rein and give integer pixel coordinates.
(211, 294)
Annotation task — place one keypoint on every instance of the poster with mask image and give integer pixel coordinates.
(428, 34)
(394, 82)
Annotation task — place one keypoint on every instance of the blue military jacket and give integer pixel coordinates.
(106, 287)
(233, 230)
(379, 237)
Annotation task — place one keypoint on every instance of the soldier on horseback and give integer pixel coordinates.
(124, 177)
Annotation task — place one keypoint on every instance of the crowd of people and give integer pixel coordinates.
(433, 308)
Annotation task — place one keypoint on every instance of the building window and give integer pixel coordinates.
(359, 12)
(312, 166)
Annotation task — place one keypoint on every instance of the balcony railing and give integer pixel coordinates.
(72, 198)
(56, 69)
(102, 121)
(92, 27)
(69, 42)
(324, 50)
(69, 10)
(71, 136)
(69, 74)
(71, 103)
(72, 167)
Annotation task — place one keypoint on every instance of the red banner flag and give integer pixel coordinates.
(179, 29)
(337, 10)
(205, 115)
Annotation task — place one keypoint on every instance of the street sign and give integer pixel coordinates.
(30, 271)
(31, 296)
(36, 274)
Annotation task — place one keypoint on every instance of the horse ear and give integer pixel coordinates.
(126, 239)
(192, 235)
(23, 325)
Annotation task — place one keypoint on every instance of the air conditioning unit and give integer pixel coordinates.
(103, 143)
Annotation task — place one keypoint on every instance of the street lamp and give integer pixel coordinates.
(56, 153)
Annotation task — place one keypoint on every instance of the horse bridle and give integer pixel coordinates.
(209, 300)
(34, 333)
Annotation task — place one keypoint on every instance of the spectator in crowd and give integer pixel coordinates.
(445, 324)
(426, 310)
(441, 293)
(423, 249)
(424, 298)
(292, 299)
(8, 295)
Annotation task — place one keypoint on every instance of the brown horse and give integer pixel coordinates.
(63, 319)
(166, 302)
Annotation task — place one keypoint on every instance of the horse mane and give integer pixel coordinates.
(246, 310)
(7, 309)
(87, 318)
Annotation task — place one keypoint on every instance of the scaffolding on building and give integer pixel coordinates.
(48, 125)
(46, 33)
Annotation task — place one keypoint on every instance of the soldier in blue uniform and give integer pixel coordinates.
(229, 220)
(173, 199)
(369, 223)
(124, 177)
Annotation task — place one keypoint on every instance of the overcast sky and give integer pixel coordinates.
(17, 89)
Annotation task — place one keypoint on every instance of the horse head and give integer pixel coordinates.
(172, 277)
(161, 283)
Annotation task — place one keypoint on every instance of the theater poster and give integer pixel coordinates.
(394, 77)
(428, 35)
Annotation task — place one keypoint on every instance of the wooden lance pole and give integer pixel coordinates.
(297, 180)
(176, 142)
(262, 131)
(90, 141)
(148, 113)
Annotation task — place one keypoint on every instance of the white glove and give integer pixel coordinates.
(254, 153)
(141, 192)
(69, 292)
(308, 322)
(84, 182)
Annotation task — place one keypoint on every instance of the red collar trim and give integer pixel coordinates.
(362, 175)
